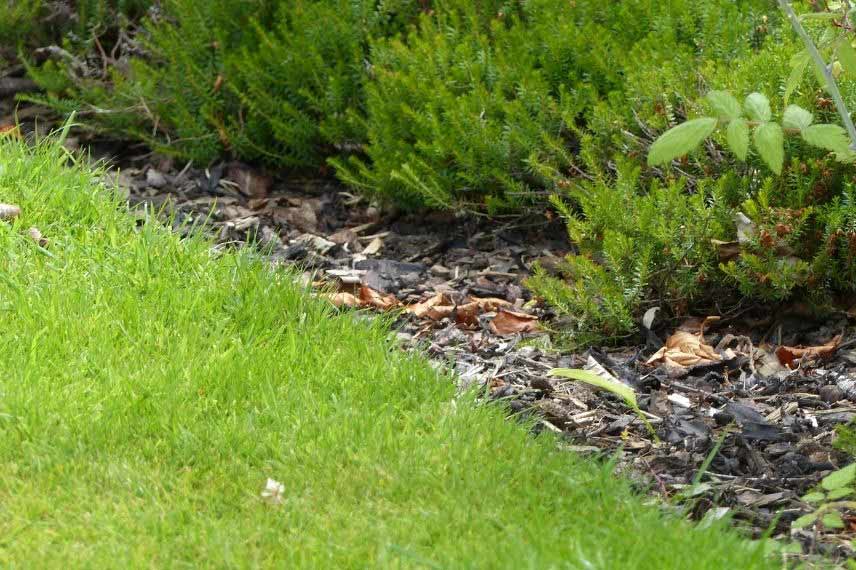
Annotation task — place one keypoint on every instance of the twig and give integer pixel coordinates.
(831, 86)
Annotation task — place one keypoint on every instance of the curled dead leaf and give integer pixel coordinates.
(11, 131)
(788, 355)
(684, 349)
(250, 182)
(489, 304)
(467, 315)
(511, 322)
(344, 300)
(9, 211)
(375, 246)
(370, 298)
(726, 250)
(365, 297)
(435, 308)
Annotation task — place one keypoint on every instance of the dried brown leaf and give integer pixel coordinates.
(344, 300)
(685, 349)
(370, 298)
(511, 322)
(489, 304)
(250, 182)
(436, 308)
(789, 354)
(467, 315)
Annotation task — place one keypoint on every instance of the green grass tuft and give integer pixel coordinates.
(148, 387)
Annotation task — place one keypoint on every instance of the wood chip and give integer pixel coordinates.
(373, 247)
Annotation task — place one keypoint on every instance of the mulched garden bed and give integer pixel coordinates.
(741, 385)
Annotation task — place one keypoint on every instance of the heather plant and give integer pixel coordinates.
(18, 21)
(269, 80)
(462, 115)
(764, 203)
(638, 244)
(174, 97)
(300, 84)
(445, 103)
(76, 25)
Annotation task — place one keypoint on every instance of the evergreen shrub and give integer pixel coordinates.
(440, 102)
(271, 80)
(736, 229)
(463, 114)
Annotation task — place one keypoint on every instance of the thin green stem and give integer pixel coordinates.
(831, 86)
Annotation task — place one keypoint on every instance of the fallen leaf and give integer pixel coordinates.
(10, 131)
(344, 300)
(511, 322)
(370, 298)
(726, 250)
(684, 349)
(788, 354)
(435, 308)
(467, 315)
(251, 183)
(9, 211)
(37, 236)
(343, 236)
(273, 492)
(489, 304)
(373, 247)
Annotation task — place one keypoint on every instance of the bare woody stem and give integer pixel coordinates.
(831, 86)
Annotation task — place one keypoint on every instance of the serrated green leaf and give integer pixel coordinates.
(832, 520)
(770, 142)
(798, 64)
(757, 107)
(827, 136)
(737, 137)
(795, 117)
(804, 520)
(838, 479)
(840, 493)
(724, 105)
(815, 497)
(680, 140)
(847, 57)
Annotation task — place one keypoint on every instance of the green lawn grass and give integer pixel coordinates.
(148, 387)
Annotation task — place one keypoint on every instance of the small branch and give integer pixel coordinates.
(831, 86)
